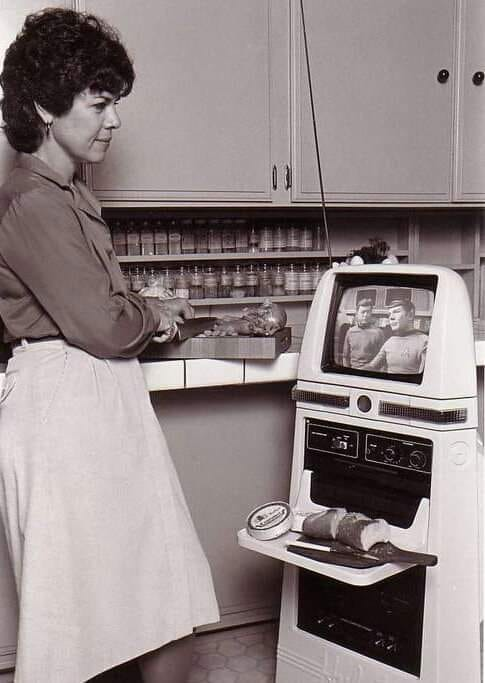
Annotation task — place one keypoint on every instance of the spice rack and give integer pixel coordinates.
(215, 262)
(413, 234)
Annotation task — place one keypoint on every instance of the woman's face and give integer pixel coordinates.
(85, 132)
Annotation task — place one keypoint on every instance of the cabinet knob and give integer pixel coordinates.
(443, 75)
(478, 78)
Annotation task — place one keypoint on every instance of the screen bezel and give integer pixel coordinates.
(344, 281)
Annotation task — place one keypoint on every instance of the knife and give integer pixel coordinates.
(379, 552)
(194, 326)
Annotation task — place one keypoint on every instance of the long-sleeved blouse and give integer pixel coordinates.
(58, 271)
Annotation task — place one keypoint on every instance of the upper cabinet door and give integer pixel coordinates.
(470, 169)
(199, 124)
(384, 121)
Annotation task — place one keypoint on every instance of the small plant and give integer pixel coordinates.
(376, 252)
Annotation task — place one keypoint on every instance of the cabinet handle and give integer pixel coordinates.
(287, 177)
(443, 75)
(478, 78)
(275, 177)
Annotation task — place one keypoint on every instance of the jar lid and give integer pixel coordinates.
(269, 521)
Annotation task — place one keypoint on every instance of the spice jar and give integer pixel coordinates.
(152, 278)
(279, 238)
(252, 281)
(119, 239)
(292, 281)
(305, 280)
(188, 237)
(147, 243)
(169, 281)
(137, 280)
(132, 239)
(201, 236)
(225, 283)
(182, 284)
(215, 237)
(238, 284)
(210, 284)
(293, 238)
(228, 237)
(253, 240)
(265, 286)
(306, 238)
(266, 238)
(318, 238)
(278, 281)
(174, 238)
(242, 242)
(197, 284)
(160, 238)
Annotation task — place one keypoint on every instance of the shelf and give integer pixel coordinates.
(242, 256)
(249, 300)
(225, 256)
(460, 266)
(276, 549)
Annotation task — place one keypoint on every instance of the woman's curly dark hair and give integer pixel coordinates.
(57, 55)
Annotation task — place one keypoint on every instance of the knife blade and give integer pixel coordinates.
(194, 326)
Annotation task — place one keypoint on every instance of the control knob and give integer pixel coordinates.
(391, 455)
(417, 459)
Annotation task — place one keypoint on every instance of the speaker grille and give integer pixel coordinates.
(323, 399)
(453, 416)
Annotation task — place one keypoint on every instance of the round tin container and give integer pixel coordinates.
(269, 521)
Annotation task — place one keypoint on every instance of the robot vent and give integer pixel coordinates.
(334, 400)
(456, 415)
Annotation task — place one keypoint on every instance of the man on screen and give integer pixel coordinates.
(405, 351)
(363, 340)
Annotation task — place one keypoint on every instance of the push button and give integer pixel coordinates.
(364, 404)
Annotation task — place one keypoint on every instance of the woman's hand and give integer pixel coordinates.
(177, 309)
(173, 312)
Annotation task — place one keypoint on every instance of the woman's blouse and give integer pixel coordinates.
(58, 272)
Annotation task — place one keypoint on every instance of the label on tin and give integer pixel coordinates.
(269, 521)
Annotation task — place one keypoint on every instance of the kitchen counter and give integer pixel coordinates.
(204, 372)
(188, 374)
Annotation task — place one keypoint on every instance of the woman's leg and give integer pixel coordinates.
(171, 662)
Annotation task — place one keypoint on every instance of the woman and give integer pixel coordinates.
(106, 559)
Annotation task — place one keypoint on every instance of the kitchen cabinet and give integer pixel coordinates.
(220, 111)
(470, 153)
(207, 119)
(384, 120)
(232, 450)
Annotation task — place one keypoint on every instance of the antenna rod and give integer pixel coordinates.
(315, 135)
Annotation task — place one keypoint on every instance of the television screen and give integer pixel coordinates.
(379, 326)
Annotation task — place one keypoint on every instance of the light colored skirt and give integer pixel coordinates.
(105, 555)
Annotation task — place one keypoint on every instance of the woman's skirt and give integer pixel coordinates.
(105, 555)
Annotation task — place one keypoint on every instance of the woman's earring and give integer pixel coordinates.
(48, 125)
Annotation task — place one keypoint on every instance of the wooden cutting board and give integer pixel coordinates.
(221, 347)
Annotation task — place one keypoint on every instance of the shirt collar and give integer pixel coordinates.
(36, 165)
(84, 199)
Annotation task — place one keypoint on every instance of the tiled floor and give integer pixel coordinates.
(246, 654)
(242, 655)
